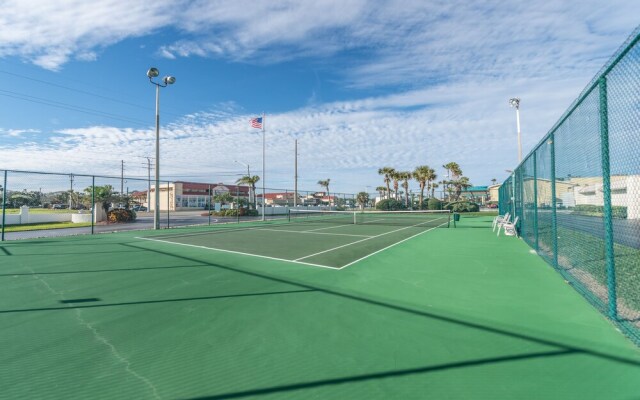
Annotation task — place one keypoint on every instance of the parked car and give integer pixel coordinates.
(58, 206)
(139, 208)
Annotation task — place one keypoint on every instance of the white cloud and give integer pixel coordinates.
(16, 132)
(345, 141)
(456, 63)
(50, 33)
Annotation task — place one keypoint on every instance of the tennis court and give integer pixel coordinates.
(426, 312)
(336, 239)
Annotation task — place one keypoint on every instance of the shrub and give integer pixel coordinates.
(462, 206)
(598, 211)
(434, 204)
(390, 205)
(121, 215)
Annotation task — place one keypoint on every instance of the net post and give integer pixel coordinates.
(606, 194)
(4, 203)
(209, 204)
(554, 219)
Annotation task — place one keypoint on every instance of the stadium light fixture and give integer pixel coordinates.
(167, 80)
(515, 103)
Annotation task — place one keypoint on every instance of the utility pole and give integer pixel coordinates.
(149, 184)
(295, 184)
(122, 178)
(71, 192)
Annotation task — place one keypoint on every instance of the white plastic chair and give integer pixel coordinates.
(498, 220)
(510, 228)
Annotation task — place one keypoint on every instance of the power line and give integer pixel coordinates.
(71, 107)
(84, 92)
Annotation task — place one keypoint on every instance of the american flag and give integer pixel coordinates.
(256, 122)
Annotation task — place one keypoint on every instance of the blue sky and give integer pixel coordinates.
(360, 84)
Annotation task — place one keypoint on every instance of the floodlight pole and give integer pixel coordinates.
(264, 173)
(295, 176)
(515, 102)
(156, 208)
(168, 80)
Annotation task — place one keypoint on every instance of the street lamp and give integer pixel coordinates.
(515, 103)
(167, 80)
(246, 165)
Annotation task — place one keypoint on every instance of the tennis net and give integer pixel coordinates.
(423, 218)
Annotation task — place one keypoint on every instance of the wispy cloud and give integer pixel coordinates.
(452, 65)
(339, 140)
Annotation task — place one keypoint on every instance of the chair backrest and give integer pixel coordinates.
(515, 221)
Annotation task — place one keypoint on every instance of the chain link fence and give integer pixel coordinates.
(39, 204)
(577, 194)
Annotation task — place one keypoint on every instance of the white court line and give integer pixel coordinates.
(239, 252)
(328, 227)
(342, 226)
(370, 222)
(315, 233)
(209, 232)
(369, 238)
(390, 246)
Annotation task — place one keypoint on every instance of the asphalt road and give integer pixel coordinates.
(625, 231)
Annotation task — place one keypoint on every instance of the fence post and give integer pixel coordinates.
(93, 202)
(535, 199)
(606, 194)
(554, 216)
(168, 206)
(4, 202)
(209, 204)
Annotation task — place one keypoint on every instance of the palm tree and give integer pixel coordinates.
(251, 181)
(395, 177)
(431, 177)
(362, 199)
(387, 172)
(325, 184)
(380, 190)
(460, 185)
(453, 172)
(433, 189)
(404, 177)
(421, 174)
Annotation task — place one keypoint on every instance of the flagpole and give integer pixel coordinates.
(295, 177)
(264, 197)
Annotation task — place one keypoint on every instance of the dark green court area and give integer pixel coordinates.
(282, 311)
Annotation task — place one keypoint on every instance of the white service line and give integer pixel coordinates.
(362, 240)
(375, 220)
(315, 233)
(390, 246)
(328, 227)
(238, 252)
(208, 232)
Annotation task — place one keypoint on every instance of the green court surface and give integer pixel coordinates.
(271, 312)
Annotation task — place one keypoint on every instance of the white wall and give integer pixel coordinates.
(25, 217)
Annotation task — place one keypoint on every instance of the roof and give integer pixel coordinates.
(476, 189)
(197, 186)
(278, 195)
